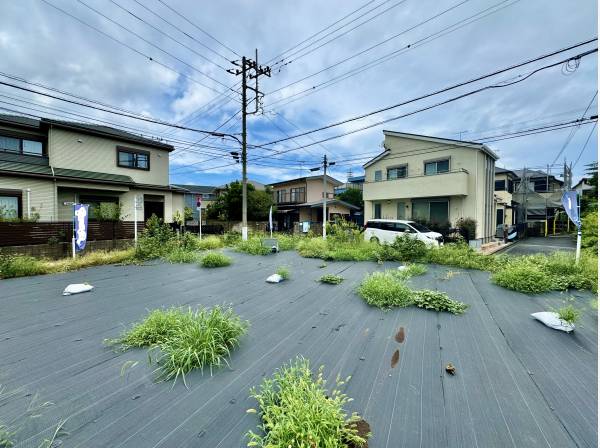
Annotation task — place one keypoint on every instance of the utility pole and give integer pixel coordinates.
(325, 165)
(249, 69)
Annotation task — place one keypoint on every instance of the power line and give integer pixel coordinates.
(382, 59)
(585, 145)
(206, 33)
(452, 87)
(114, 39)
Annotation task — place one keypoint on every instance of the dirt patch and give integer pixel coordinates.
(395, 358)
(363, 429)
(400, 335)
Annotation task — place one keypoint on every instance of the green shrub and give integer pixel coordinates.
(284, 272)
(215, 260)
(298, 411)
(253, 246)
(569, 314)
(362, 251)
(231, 238)
(156, 240)
(210, 243)
(186, 340)
(188, 241)
(343, 231)
(181, 255)
(523, 276)
(313, 248)
(6, 437)
(463, 256)
(438, 301)
(20, 266)
(331, 279)
(385, 290)
(589, 231)
(288, 242)
(409, 249)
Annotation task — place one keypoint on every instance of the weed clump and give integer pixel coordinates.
(210, 243)
(20, 266)
(385, 290)
(283, 272)
(569, 314)
(298, 411)
(180, 255)
(410, 270)
(331, 279)
(215, 260)
(252, 246)
(186, 339)
(438, 301)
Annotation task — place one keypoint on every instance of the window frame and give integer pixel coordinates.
(21, 138)
(436, 161)
(380, 176)
(503, 185)
(298, 193)
(396, 167)
(375, 205)
(134, 151)
(8, 193)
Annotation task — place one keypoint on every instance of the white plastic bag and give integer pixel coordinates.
(76, 288)
(552, 320)
(275, 278)
(401, 267)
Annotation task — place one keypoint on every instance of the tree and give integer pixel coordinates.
(228, 206)
(589, 200)
(353, 196)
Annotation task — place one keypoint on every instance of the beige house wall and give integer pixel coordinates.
(41, 195)
(469, 185)
(314, 188)
(79, 151)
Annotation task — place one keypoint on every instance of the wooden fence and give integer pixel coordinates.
(31, 233)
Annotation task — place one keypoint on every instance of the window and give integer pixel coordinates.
(378, 176)
(377, 210)
(133, 158)
(542, 184)
(397, 172)
(21, 146)
(400, 210)
(431, 211)
(437, 167)
(297, 194)
(500, 185)
(10, 204)
(280, 195)
(499, 217)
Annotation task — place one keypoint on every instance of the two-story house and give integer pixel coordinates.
(432, 179)
(207, 193)
(506, 206)
(539, 194)
(47, 165)
(301, 201)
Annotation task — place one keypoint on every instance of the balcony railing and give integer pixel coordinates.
(289, 197)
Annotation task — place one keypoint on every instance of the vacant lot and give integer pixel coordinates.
(517, 382)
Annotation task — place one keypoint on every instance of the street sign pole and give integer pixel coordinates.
(73, 235)
(135, 219)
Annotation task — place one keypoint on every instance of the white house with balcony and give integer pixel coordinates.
(432, 179)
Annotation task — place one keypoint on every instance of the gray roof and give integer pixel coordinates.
(333, 180)
(93, 129)
(196, 189)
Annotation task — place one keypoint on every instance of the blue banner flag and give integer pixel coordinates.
(80, 219)
(569, 202)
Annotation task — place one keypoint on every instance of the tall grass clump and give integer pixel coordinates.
(288, 241)
(181, 255)
(210, 243)
(331, 279)
(253, 246)
(186, 339)
(20, 266)
(283, 272)
(410, 270)
(215, 260)
(385, 290)
(297, 410)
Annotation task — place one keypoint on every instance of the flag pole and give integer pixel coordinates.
(578, 250)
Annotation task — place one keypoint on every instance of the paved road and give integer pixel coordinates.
(518, 383)
(543, 245)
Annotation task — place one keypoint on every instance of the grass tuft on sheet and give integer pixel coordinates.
(215, 260)
(297, 411)
(331, 279)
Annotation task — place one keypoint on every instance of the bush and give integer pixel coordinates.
(343, 231)
(466, 227)
(210, 243)
(313, 248)
(409, 249)
(589, 231)
(298, 411)
(215, 260)
(331, 279)
(20, 266)
(569, 314)
(524, 277)
(156, 240)
(438, 301)
(288, 242)
(181, 255)
(385, 290)
(253, 246)
(461, 255)
(283, 272)
(187, 340)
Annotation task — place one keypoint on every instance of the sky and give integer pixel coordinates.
(330, 61)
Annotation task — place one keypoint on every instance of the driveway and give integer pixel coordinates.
(541, 245)
(517, 383)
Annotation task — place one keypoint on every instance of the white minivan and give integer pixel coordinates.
(387, 230)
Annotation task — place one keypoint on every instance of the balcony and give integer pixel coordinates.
(452, 183)
(289, 197)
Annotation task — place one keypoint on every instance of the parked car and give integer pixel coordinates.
(387, 230)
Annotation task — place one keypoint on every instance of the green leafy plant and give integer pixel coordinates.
(180, 255)
(252, 246)
(410, 270)
(569, 314)
(20, 266)
(298, 411)
(385, 290)
(215, 260)
(6, 437)
(524, 277)
(186, 339)
(331, 279)
(210, 243)
(438, 301)
(156, 240)
(406, 248)
(283, 272)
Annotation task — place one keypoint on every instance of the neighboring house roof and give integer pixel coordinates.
(356, 179)
(45, 171)
(196, 189)
(474, 145)
(499, 170)
(316, 204)
(257, 185)
(86, 128)
(536, 174)
(298, 179)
